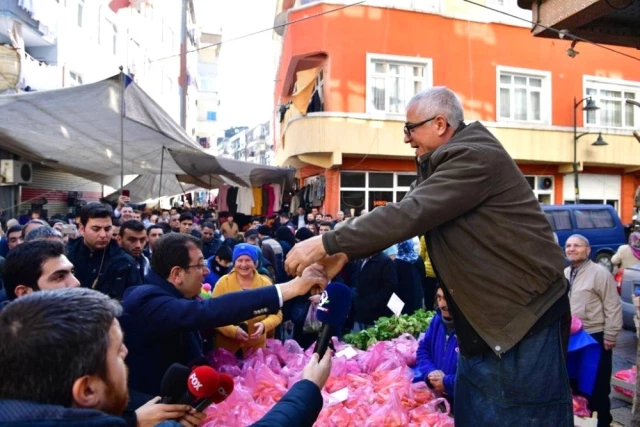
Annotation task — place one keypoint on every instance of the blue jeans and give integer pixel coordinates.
(527, 385)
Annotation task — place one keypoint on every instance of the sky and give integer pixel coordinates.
(246, 71)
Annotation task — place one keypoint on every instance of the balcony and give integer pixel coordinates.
(38, 19)
(323, 139)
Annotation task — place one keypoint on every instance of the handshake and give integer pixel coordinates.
(309, 261)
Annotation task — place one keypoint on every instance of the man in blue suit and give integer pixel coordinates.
(161, 319)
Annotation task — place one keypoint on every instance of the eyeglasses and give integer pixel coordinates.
(408, 127)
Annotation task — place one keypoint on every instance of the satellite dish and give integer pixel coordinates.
(279, 23)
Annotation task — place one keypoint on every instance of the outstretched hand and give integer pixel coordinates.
(303, 255)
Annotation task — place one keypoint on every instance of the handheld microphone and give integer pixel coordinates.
(202, 383)
(333, 310)
(224, 390)
(174, 383)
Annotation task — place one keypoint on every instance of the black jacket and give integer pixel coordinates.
(161, 326)
(210, 249)
(377, 281)
(119, 270)
(24, 413)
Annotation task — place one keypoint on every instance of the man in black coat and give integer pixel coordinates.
(99, 261)
(377, 281)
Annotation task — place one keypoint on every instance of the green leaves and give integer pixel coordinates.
(387, 328)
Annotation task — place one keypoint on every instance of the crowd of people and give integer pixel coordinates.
(150, 289)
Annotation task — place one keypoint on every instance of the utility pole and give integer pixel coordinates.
(183, 80)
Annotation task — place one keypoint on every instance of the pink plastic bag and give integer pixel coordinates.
(221, 357)
(277, 348)
(391, 414)
(628, 376)
(580, 408)
(576, 324)
(370, 360)
(291, 346)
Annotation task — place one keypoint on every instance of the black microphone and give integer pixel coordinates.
(332, 311)
(174, 383)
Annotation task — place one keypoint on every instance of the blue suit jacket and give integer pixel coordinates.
(300, 407)
(161, 326)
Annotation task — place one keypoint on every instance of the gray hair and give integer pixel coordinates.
(581, 237)
(41, 233)
(439, 100)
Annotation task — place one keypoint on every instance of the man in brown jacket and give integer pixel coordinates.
(595, 300)
(492, 248)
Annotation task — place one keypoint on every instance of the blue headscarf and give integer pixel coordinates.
(406, 251)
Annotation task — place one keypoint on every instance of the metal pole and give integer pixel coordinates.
(183, 67)
(161, 168)
(121, 127)
(576, 187)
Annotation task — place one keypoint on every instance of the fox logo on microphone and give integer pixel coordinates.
(195, 382)
(223, 392)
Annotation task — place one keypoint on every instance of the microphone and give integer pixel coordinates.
(224, 390)
(173, 383)
(202, 383)
(333, 310)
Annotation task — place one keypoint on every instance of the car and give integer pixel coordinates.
(600, 224)
(627, 280)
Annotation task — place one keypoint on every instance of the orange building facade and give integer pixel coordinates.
(344, 79)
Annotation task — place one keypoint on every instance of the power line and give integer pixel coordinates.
(326, 12)
(563, 34)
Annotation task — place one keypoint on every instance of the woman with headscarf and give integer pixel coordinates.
(243, 277)
(628, 255)
(409, 270)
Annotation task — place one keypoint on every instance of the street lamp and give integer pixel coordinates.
(632, 102)
(590, 105)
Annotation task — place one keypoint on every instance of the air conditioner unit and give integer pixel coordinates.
(15, 172)
(545, 182)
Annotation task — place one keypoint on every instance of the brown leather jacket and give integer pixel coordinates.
(488, 238)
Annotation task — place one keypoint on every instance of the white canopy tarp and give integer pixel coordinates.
(78, 130)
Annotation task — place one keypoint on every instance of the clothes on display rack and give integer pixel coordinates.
(310, 196)
(256, 201)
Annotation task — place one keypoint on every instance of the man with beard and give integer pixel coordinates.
(210, 242)
(82, 380)
(133, 238)
(99, 262)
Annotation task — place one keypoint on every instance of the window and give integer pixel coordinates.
(75, 78)
(393, 80)
(596, 218)
(368, 190)
(610, 96)
(109, 37)
(524, 95)
(542, 187)
(559, 220)
(211, 116)
(80, 12)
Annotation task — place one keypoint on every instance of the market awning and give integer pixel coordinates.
(78, 130)
(236, 172)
